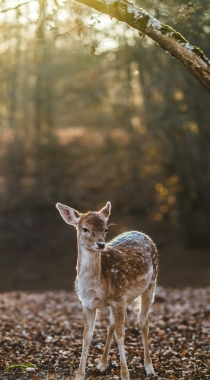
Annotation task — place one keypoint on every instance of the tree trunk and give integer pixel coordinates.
(168, 39)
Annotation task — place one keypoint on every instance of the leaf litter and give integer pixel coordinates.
(41, 337)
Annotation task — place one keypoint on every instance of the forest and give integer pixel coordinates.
(92, 110)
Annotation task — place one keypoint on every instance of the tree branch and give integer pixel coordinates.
(169, 39)
(16, 7)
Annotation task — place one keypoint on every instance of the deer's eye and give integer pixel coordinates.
(85, 229)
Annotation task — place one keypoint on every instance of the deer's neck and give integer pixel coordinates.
(88, 264)
(89, 283)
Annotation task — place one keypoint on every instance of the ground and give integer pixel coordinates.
(45, 329)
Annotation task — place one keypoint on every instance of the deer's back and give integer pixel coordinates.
(129, 264)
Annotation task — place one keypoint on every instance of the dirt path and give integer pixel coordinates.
(45, 329)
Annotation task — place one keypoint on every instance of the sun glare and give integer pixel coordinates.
(108, 32)
(33, 10)
(107, 44)
(62, 15)
(104, 21)
(33, 6)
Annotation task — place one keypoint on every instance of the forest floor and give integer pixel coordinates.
(43, 331)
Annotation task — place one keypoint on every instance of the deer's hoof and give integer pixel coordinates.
(102, 366)
(149, 369)
(125, 375)
(80, 376)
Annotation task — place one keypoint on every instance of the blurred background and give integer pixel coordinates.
(91, 111)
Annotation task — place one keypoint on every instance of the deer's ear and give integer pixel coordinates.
(106, 210)
(70, 215)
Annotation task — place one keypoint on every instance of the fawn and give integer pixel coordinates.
(113, 275)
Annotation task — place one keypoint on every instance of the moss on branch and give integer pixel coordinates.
(167, 30)
(142, 22)
(201, 54)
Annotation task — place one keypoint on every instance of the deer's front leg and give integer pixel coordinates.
(89, 321)
(110, 331)
(119, 313)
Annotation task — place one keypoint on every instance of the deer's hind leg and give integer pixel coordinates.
(119, 314)
(110, 331)
(146, 301)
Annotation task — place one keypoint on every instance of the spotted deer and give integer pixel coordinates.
(113, 275)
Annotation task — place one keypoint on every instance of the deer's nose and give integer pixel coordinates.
(101, 245)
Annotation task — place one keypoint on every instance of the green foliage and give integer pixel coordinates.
(14, 366)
